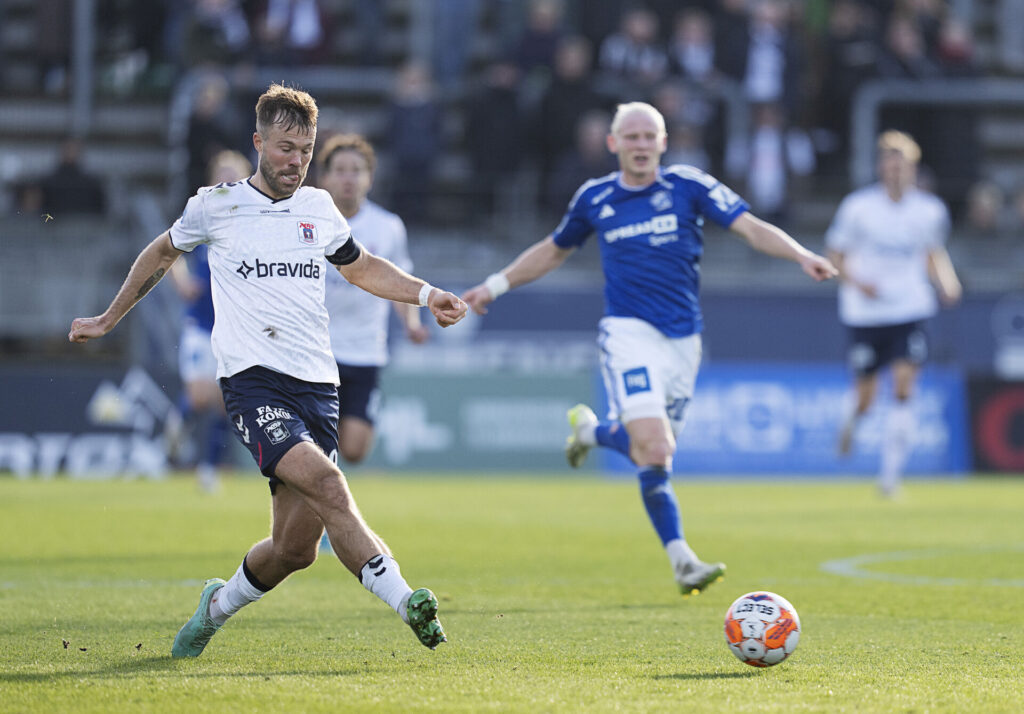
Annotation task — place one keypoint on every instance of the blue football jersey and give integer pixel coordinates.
(200, 310)
(651, 241)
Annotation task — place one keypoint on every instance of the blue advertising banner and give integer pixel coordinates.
(784, 420)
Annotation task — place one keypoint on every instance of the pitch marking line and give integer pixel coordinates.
(854, 567)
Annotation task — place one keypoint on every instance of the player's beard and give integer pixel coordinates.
(273, 178)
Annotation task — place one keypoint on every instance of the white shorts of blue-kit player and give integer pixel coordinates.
(647, 374)
(195, 355)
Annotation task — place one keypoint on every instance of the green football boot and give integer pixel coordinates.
(421, 610)
(575, 451)
(194, 635)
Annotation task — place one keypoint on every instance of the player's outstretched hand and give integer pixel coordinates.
(818, 267)
(447, 308)
(478, 298)
(84, 329)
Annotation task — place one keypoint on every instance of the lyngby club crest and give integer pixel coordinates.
(307, 233)
(661, 201)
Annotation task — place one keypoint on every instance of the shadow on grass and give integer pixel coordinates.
(156, 664)
(707, 675)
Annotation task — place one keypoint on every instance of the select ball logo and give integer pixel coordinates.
(762, 629)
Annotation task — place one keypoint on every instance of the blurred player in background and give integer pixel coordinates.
(888, 242)
(268, 237)
(359, 320)
(648, 221)
(196, 363)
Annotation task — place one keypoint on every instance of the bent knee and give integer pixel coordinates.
(653, 453)
(297, 558)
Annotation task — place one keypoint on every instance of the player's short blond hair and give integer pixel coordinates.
(901, 142)
(623, 110)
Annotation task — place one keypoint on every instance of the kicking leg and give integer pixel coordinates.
(320, 483)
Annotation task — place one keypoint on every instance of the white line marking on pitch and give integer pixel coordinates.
(853, 567)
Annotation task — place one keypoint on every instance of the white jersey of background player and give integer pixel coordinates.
(359, 321)
(888, 242)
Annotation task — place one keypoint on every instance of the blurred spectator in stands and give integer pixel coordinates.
(775, 62)
(414, 140)
(927, 16)
(53, 43)
(292, 32)
(569, 96)
(216, 32)
(68, 188)
(731, 23)
(370, 26)
(986, 216)
(634, 54)
(588, 157)
(775, 154)
(686, 146)
(905, 55)
(952, 142)
(492, 110)
(691, 49)
(213, 127)
(455, 24)
(851, 49)
(538, 44)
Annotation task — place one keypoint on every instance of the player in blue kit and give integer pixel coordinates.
(197, 364)
(268, 237)
(648, 220)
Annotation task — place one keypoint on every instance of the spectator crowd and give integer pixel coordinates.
(515, 86)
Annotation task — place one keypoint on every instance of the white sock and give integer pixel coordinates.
(382, 577)
(896, 444)
(236, 594)
(680, 553)
(587, 436)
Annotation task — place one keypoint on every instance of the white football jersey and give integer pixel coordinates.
(267, 272)
(886, 243)
(359, 320)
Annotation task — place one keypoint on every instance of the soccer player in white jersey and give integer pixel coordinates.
(268, 237)
(888, 242)
(359, 320)
(648, 222)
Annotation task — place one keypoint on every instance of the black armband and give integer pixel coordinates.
(346, 254)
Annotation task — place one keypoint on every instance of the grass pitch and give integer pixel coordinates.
(555, 594)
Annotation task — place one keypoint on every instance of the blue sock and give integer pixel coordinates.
(216, 439)
(660, 501)
(613, 435)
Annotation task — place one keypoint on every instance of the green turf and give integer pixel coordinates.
(554, 593)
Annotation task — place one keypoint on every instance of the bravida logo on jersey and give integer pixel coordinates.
(635, 380)
(310, 269)
(307, 233)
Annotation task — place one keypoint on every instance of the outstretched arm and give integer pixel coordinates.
(151, 265)
(772, 240)
(385, 279)
(943, 276)
(535, 262)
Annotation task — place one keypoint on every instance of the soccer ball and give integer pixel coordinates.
(762, 629)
